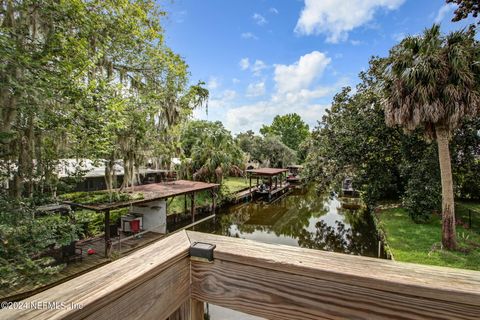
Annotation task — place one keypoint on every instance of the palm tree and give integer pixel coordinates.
(432, 81)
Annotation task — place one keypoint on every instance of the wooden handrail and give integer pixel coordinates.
(283, 282)
(270, 281)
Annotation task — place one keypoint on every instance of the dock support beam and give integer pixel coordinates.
(192, 206)
(108, 241)
(214, 196)
(250, 176)
(185, 204)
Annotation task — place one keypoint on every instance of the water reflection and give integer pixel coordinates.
(303, 219)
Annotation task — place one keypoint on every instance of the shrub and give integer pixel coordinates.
(423, 192)
(24, 240)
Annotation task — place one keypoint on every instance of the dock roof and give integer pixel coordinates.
(152, 192)
(267, 171)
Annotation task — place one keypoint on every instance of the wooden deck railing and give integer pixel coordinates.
(269, 281)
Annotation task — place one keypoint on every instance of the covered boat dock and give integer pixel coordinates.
(276, 185)
(151, 194)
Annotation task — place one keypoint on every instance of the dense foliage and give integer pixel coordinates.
(465, 8)
(86, 79)
(212, 150)
(429, 85)
(25, 238)
(79, 79)
(291, 129)
(269, 151)
(352, 140)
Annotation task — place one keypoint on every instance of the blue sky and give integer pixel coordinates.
(263, 58)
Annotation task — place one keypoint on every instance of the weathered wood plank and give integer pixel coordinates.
(448, 284)
(275, 294)
(96, 289)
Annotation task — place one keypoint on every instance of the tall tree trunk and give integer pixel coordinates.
(448, 206)
(110, 180)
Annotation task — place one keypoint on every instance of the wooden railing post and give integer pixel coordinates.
(197, 309)
(182, 313)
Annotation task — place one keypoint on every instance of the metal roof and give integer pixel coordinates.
(152, 192)
(267, 171)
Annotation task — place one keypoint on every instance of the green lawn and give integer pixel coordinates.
(177, 204)
(420, 243)
(236, 183)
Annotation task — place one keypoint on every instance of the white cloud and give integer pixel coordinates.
(336, 18)
(249, 35)
(302, 73)
(259, 19)
(295, 92)
(258, 66)
(356, 42)
(273, 10)
(253, 116)
(443, 11)
(221, 101)
(235, 80)
(213, 83)
(229, 95)
(256, 89)
(244, 63)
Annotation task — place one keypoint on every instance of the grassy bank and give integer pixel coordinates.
(235, 184)
(420, 243)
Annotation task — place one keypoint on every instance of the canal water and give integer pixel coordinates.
(302, 219)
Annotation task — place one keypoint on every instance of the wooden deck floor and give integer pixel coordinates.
(88, 263)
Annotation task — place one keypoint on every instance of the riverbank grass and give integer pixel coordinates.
(235, 184)
(421, 243)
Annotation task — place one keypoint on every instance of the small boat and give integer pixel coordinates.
(294, 176)
(347, 188)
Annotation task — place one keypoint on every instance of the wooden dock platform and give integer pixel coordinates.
(245, 194)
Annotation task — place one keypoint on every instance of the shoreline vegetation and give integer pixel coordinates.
(421, 242)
